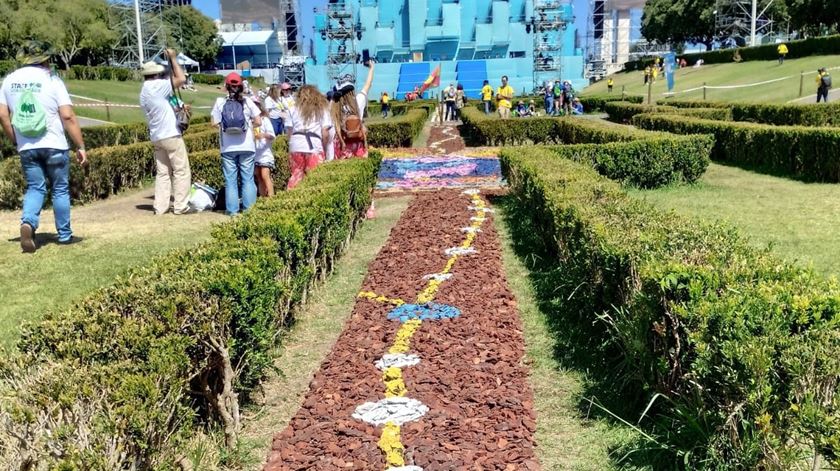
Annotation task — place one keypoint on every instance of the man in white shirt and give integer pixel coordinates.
(237, 117)
(173, 165)
(35, 112)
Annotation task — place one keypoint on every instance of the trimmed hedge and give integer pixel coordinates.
(623, 112)
(825, 45)
(744, 348)
(109, 170)
(208, 79)
(398, 131)
(131, 376)
(801, 152)
(86, 72)
(647, 163)
(778, 114)
(480, 129)
(597, 102)
(206, 166)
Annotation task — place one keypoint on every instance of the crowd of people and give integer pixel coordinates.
(37, 115)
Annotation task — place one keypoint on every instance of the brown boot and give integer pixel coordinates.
(27, 238)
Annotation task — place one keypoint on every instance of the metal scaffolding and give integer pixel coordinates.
(614, 37)
(736, 19)
(141, 27)
(547, 26)
(342, 33)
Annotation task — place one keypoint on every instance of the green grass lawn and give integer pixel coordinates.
(129, 93)
(117, 235)
(730, 74)
(801, 221)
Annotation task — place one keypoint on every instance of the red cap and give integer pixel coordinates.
(285, 86)
(233, 79)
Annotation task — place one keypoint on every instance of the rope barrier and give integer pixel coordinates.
(746, 85)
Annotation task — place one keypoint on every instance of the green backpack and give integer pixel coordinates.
(29, 119)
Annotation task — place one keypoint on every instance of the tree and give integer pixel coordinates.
(678, 21)
(193, 33)
(814, 16)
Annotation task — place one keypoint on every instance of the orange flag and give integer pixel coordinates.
(433, 81)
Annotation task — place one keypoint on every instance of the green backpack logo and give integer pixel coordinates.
(29, 118)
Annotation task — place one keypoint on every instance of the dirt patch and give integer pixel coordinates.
(470, 374)
(445, 139)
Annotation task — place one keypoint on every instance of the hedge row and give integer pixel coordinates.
(480, 129)
(208, 79)
(130, 377)
(597, 102)
(109, 170)
(797, 151)
(623, 112)
(744, 348)
(86, 72)
(206, 166)
(646, 163)
(778, 114)
(825, 45)
(398, 131)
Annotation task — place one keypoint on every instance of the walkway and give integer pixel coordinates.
(428, 372)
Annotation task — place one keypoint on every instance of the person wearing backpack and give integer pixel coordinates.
(823, 84)
(460, 101)
(172, 176)
(348, 110)
(35, 112)
(237, 117)
(309, 133)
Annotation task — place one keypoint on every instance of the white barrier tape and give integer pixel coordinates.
(87, 98)
(104, 105)
(729, 87)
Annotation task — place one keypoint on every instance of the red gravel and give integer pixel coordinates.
(471, 373)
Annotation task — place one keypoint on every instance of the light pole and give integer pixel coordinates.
(140, 54)
(752, 21)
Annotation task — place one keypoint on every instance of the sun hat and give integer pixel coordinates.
(34, 52)
(233, 79)
(285, 86)
(151, 68)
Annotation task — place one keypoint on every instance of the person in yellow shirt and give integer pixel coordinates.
(783, 51)
(610, 83)
(504, 95)
(486, 96)
(385, 102)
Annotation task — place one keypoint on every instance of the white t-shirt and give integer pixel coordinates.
(264, 153)
(154, 99)
(361, 100)
(236, 142)
(272, 107)
(330, 151)
(299, 143)
(50, 93)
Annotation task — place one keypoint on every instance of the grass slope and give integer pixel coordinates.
(116, 236)
(799, 220)
(129, 93)
(730, 74)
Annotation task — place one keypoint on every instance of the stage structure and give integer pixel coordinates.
(741, 22)
(551, 18)
(139, 22)
(341, 33)
(614, 37)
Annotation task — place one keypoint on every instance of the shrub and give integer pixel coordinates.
(208, 79)
(596, 102)
(131, 373)
(801, 152)
(647, 163)
(206, 166)
(109, 170)
(86, 72)
(399, 131)
(480, 129)
(623, 112)
(766, 113)
(693, 103)
(734, 353)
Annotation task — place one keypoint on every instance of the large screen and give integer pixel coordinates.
(250, 11)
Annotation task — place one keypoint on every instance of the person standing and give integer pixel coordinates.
(504, 96)
(647, 74)
(486, 96)
(783, 51)
(823, 84)
(385, 103)
(449, 99)
(557, 93)
(308, 132)
(35, 112)
(610, 84)
(548, 97)
(460, 101)
(237, 117)
(264, 158)
(172, 164)
(348, 112)
(275, 111)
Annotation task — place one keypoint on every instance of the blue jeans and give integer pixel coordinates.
(278, 125)
(38, 166)
(549, 105)
(238, 168)
(486, 107)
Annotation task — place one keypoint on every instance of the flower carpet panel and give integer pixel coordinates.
(436, 172)
(428, 372)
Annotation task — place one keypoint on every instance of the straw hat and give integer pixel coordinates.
(34, 52)
(151, 68)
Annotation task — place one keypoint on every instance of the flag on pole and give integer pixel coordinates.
(433, 81)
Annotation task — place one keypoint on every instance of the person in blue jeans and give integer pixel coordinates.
(237, 117)
(39, 134)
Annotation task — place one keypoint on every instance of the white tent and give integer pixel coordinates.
(186, 61)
